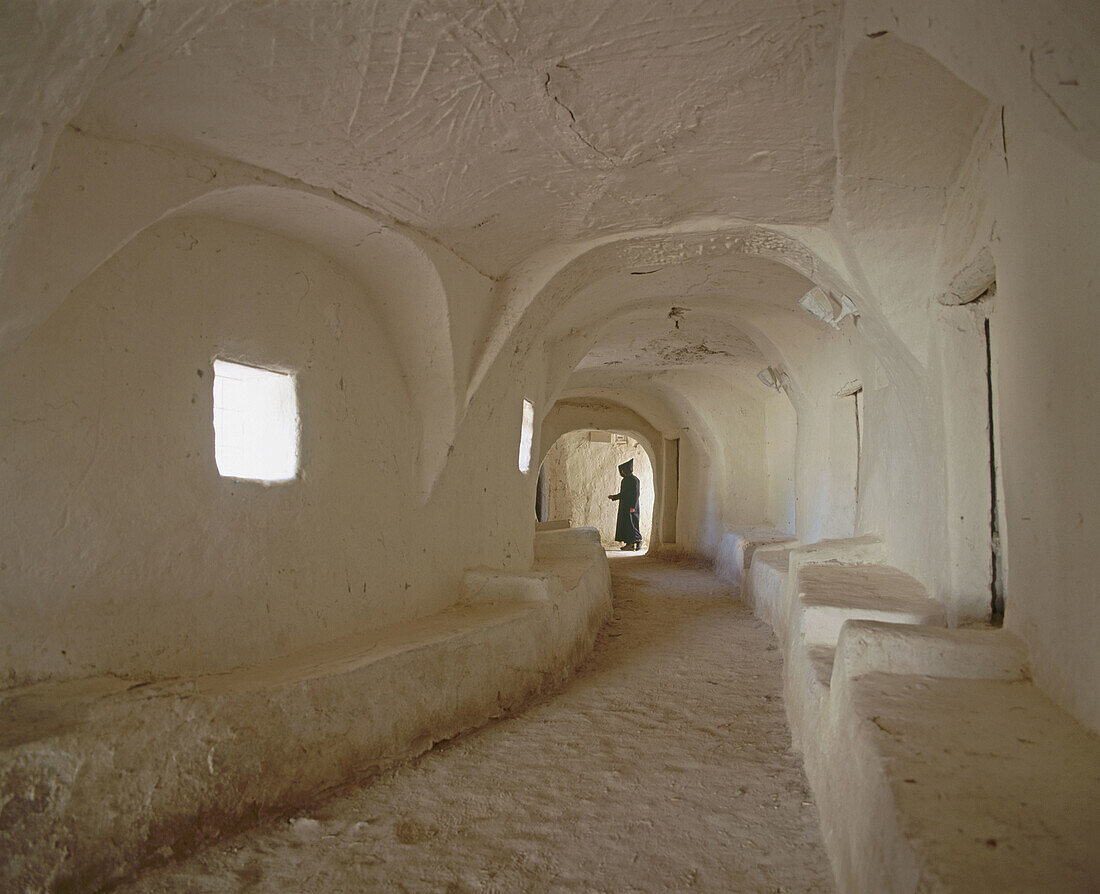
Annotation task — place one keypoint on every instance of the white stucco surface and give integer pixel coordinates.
(899, 721)
(430, 213)
(127, 531)
(357, 704)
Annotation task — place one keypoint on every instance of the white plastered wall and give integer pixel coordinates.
(734, 483)
(128, 554)
(1048, 378)
(1024, 184)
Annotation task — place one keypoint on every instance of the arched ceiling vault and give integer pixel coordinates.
(727, 316)
(756, 272)
(654, 340)
(593, 413)
(659, 414)
(552, 145)
(668, 401)
(498, 128)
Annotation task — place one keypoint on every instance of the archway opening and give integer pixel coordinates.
(581, 470)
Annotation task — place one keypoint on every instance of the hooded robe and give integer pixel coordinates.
(627, 523)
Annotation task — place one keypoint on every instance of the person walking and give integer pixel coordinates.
(627, 522)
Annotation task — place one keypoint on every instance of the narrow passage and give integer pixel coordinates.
(664, 765)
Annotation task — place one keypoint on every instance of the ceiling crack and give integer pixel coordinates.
(573, 122)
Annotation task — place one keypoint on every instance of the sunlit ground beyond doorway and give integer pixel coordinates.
(627, 554)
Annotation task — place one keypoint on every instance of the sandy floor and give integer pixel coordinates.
(663, 766)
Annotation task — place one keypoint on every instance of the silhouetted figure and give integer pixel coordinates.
(626, 524)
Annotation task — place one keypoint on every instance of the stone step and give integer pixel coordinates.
(735, 552)
(765, 587)
(830, 593)
(957, 784)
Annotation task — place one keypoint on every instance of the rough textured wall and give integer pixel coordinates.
(52, 54)
(1048, 377)
(581, 469)
(126, 552)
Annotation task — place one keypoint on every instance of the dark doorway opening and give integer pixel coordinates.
(997, 595)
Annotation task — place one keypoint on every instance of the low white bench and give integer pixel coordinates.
(936, 764)
(101, 776)
(941, 767)
(735, 552)
(826, 596)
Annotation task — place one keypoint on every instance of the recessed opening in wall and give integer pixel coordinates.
(857, 396)
(853, 392)
(526, 436)
(581, 471)
(255, 423)
(998, 570)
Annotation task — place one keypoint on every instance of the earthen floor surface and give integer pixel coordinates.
(663, 765)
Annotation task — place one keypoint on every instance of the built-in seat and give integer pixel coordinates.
(765, 588)
(98, 775)
(777, 560)
(936, 763)
(736, 549)
(553, 524)
(941, 767)
(826, 596)
(831, 593)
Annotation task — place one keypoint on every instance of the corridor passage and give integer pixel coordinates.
(663, 765)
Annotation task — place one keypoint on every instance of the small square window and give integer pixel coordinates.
(255, 423)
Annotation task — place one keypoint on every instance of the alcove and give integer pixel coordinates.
(581, 470)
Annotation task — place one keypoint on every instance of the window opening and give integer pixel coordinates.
(671, 496)
(541, 495)
(857, 396)
(526, 436)
(255, 423)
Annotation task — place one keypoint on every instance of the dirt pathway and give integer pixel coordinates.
(663, 766)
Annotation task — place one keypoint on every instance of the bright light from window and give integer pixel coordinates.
(526, 435)
(255, 423)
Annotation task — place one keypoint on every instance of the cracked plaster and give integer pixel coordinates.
(498, 128)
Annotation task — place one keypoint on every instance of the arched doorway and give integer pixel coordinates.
(579, 472)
